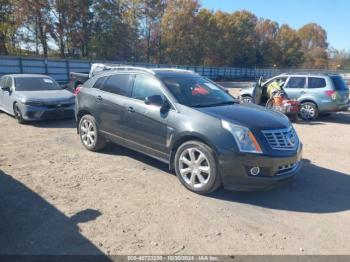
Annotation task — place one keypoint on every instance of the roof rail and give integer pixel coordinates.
(107, 67)
(174, 69)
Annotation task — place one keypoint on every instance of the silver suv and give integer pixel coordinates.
(317, 93)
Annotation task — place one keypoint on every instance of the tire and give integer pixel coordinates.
(247, 100)
(199, 177)
(308, 111)
(18, 114)
(89, 134)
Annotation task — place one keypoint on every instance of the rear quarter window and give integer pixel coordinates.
(118, 84)
(339, 83)
(317, 82)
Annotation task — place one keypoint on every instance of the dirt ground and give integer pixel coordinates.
(58, 198)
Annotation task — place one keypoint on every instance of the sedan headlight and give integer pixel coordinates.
(245, 139)
(32, 103)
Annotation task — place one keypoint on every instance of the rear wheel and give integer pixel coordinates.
(18, 114)
(89, 135)
(308, 111)
(196, 167)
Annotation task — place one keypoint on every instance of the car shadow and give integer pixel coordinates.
(59, 123)
(32, 226)
(336, 118)
(314, 190)
(114, 149)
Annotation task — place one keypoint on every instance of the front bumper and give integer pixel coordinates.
(235, 175)
(32, 113)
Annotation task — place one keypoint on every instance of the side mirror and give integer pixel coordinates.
(6, 88)
(155, 100)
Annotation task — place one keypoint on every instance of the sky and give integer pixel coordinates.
(332, 15)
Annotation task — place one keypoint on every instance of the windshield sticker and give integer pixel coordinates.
(49, 81)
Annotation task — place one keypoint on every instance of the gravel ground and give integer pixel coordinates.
(58, 198)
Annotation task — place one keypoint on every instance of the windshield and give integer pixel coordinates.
(197, 91)
(339, 83)
(35, 84)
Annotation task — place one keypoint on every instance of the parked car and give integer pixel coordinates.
(34, 97)
(77, 79)
(190, 123)
(317, 93)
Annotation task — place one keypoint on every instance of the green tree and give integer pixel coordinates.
(268, 50)
(178, 32)
(290, 46)
(314, 45)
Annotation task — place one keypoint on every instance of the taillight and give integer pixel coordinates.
(77, 90)
(330, 93)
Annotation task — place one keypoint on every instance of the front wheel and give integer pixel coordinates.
(89, 135)
(18, 114)
(247, 100)
(308, 111)
(196, 167)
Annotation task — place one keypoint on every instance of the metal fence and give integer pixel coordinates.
(59, 69)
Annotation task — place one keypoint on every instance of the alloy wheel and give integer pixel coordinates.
(194, 168)
(88, 133)
(307, 112)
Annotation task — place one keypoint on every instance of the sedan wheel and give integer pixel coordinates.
(196, 167)
(18, 114)
(247, 100)
(89, 134)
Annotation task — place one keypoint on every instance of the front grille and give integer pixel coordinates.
(282, 139)
(57, 106)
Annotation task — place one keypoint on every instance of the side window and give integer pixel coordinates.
(118, 84)
(317, 82)
(99, 83)
(296, 82)
(8, 81)
(145, 86)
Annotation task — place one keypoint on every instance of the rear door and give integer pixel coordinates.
(111, 104)
(147, 126)
(295, 87)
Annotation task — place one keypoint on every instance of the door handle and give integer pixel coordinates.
(131, 109)
(99, 99)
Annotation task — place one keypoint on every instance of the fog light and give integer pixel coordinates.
(254, 171)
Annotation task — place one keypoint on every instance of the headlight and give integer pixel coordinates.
(245, 139)
(32, 103)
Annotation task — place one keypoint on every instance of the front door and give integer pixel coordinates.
(147, 126)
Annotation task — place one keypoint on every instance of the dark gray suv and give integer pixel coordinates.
(190, 123)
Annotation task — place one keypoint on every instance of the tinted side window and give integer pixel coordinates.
(118, 84)
(317, 82)
(296, 82)
(145, 86)
(339, 83)
(99, 83)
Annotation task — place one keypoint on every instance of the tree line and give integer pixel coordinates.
(160, 31)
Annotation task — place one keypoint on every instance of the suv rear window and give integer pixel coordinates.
(118, 84)
(339, 83)
(317, 82)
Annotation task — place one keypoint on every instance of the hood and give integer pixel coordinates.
(248, 115)
(47, 96)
